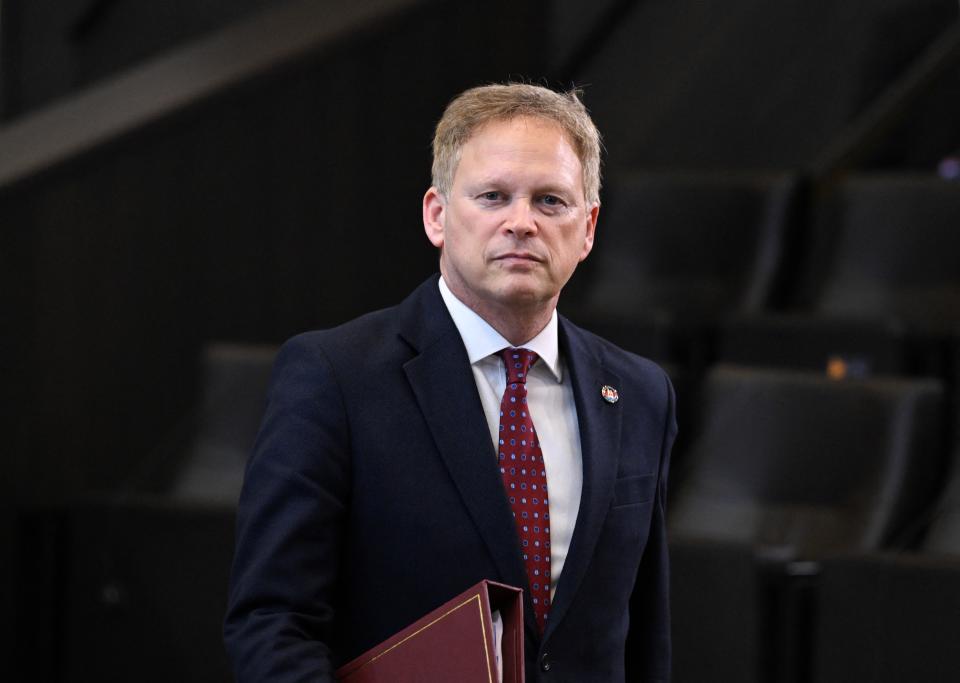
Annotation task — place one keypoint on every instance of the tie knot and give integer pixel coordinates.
(518, 363)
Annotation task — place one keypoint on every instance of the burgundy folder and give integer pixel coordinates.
(452, 643)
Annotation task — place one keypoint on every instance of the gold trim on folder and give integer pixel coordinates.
(483, 628)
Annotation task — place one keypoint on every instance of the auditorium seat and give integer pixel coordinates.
(781, 469)
(889, 617)
(235, 378)
(887, 245)
(133, 586)
(795, 459)
(118, 591)
(879, 285)
(679, 249)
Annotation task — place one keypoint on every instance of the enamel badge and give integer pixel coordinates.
(609, 394)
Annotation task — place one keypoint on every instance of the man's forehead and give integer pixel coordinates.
(522, 121)
(519, 140)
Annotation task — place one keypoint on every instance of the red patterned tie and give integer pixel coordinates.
(525, 478)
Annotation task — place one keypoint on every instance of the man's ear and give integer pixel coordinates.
(434, 215)
(592, 214)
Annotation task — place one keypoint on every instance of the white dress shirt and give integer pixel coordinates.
(552, 408)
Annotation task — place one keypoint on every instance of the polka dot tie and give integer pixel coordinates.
(525, 478)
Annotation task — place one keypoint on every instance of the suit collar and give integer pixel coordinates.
(482, 340)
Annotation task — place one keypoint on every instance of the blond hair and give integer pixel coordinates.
(476, 107)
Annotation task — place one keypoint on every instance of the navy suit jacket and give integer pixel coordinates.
(373, 495)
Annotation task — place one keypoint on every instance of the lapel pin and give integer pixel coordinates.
(609, 394)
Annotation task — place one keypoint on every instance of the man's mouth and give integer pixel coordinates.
(519, 256)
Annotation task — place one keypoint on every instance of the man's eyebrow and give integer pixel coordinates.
(489, 180)
(496, 181)
(556, 189)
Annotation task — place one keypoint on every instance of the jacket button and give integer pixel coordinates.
(545, 662)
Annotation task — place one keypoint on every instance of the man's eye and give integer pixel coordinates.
(552, 200)
(491, 196)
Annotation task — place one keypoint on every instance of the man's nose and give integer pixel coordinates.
(522, 219)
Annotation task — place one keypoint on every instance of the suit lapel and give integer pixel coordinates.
(446, 392)
(599, 424)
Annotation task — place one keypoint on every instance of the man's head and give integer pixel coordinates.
(476, 107)
(513, 208)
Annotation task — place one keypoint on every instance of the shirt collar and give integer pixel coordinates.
(481, 340)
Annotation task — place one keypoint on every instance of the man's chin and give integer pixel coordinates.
(523, 294)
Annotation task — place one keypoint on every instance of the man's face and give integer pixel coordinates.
(515, 224)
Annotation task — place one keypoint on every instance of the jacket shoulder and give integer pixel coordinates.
(415, 322)
(365, 336)
(627, 364)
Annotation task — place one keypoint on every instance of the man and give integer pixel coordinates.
(468, 433)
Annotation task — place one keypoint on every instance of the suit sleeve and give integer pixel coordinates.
(648, 642)
(290, 526)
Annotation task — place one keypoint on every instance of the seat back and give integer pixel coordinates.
(235, 379)
(689, 244)
(888, 246)
(798, 460)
